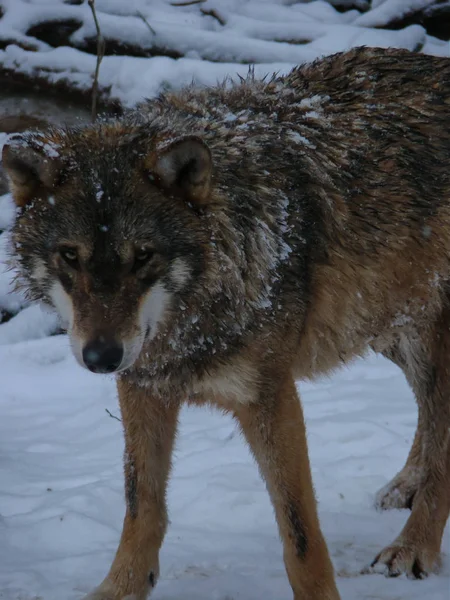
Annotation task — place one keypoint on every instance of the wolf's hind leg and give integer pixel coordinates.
(150, 427)
(275, 430)
(401, 491)
(416, 551)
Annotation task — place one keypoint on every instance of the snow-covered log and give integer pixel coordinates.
(48, 44)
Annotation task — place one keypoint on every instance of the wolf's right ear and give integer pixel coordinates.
(30, 167)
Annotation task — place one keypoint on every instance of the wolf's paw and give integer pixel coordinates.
(108, 591)
(415, 561)
(99, 595)
(401, 491)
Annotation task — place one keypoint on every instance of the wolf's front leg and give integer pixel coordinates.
(275, 430)
(150, 427)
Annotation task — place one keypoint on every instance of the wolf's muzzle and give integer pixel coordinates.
(102, 356)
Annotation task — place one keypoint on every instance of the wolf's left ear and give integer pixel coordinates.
(185, 166)
(29, 167)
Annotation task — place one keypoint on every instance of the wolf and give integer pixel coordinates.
(216, 245)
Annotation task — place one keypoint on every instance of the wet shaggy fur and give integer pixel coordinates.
(235, 239)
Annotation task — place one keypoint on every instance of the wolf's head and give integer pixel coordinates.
(111, 231)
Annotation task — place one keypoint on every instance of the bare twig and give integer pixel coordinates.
(100, 55)
(213, 13)
(187, 3)
(113, 416)
(141, 16)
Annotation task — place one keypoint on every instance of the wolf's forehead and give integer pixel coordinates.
(101, 245)
(94, 218)
(101, 190)
(103, 177)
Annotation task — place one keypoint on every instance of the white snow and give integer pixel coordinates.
(271, 33)
(390, 9)
(61, 483)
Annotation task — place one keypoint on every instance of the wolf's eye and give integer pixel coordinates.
(70, 256)
(142, 257)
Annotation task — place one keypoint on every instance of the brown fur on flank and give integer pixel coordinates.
(215, 245)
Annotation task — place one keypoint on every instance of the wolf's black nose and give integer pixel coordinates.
(102, 356)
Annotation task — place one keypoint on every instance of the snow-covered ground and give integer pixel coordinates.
(61, 484)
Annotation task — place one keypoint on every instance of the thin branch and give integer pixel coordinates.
(188, 3)
(100, 55)
(141, 16)
(113, 416)
(214, 14)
